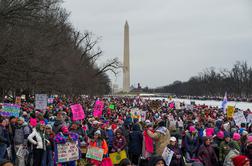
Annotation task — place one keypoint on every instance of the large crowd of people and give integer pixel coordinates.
(138, 131)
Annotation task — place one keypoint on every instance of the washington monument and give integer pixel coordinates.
(126, 62)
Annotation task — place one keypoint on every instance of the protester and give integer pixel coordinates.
(135, 144)
(125, 162)
(232, 153)
(100, 143)
(177, 158)
(191, 143)
(4, 138)
(161, 137)
(37, 138)
(48, 153)
(119, 142)
(148, 148)
(20, 142)
(248, 149)
(224, 147)
(157, 161)
(206, 153)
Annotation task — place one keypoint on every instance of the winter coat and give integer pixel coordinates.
(162, 139)
(36, 139)
(19, 135)
(224, 149)
(119, 143)
(57, 126)
(4, 136)
(207, 155)
(248, 153)
(109, 137)
(135, 141)
(177, 158)
(60, 138)
(228, 160)
(100, 144)
(191, 143)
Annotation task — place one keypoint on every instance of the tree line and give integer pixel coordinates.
(41, 52)
(237, 82)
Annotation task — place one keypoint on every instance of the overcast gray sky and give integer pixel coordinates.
(169, 39)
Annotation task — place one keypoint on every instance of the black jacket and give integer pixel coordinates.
(135, 140)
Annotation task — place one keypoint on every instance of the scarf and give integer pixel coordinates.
(148, 142)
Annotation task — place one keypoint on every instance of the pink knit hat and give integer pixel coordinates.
(192, 129)
(33, 122)
(236, 136)
(249, 140)
(209, 132)
(64, 129)
(220, 134)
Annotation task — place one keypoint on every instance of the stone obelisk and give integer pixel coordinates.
(126, 62)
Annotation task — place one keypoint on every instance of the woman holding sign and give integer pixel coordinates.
(97, 149)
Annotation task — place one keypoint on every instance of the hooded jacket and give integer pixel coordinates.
(135, 140)
(161, 137)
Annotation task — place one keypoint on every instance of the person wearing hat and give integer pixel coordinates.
(48, 154)
(119, 142)
(135, 144)
(177, 158)
(248, 149)
(4, 137)
(64, 136)
(161, 137)
(93, 127)
(241, 161)
(206, 153)
(99, 142)
(76, 128)
(37, 138)
(157, 161)
(148, 147)
(59, 122)
(191, 143)
(234, 151)
(224, 147)
(19, 140)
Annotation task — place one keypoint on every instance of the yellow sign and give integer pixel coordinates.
(230, 111)
(118, 156)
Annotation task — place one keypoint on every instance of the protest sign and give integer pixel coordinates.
(18, 100)
(249, 118)
(143, 116)
(10, 110)
(98, 108)
(230, 111)
(112, 106)
(40, 101)
(50, 100)
(167, 155)
(95, 153)
(67, 152)
(189, 107)
(239, 118)
(172, 105)
(177, 105)
(78, 112)
(226, 126)
(117, 157)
